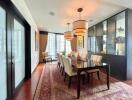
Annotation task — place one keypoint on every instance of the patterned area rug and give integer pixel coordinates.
(52, 87)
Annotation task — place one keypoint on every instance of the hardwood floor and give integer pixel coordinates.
(27, 91)
(129, 82)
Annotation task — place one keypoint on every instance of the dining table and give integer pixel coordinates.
(85, 65)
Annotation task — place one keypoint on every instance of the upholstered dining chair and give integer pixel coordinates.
(61, 63)
(46, 57)
(69, 70)
(58, 60)
(95, 59)
(83, 54)
(74, 54)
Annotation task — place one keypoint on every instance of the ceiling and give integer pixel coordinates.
(52, 15)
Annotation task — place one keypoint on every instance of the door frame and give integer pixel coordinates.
(11, 13)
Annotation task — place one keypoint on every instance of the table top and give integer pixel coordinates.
(81, 64)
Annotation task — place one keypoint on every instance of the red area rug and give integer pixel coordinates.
(52, 87)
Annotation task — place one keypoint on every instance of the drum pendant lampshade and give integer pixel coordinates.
(68, 34)
(80, 26)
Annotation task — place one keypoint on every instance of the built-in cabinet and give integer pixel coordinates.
(111, 39)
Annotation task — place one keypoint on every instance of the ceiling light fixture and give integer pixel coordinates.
(80, 26)
(68, 34)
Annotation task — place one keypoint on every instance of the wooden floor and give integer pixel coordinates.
(27, 91)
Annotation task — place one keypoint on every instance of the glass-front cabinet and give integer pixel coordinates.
(91, 40)
(120, 34)
(111, 33)
(108, 37)
(99, 38)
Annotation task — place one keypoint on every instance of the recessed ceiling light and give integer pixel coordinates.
(90, 20)
(51, 13)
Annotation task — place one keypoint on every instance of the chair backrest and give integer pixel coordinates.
(96, 58)
(83, 54)
(73, 53)
(67, 66)
(45, 54)
(99, 59)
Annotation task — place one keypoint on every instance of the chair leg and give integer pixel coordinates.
(43, 60)
(98, 75)
(58, 65)
(65, 77)
(83, 79)
(51, 60)
(69, 84)
(88, 77)
(62, 70)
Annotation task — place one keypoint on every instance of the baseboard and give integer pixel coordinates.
(19, 86)
(35, 68)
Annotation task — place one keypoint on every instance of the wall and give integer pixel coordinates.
(85, 40)
(129, 44)
(34, 53)
(21, 6)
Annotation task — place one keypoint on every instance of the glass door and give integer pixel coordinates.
(18, 52)
(3, 67)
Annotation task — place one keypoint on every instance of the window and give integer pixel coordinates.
(3, 87)
(51, 45)
(60, 43)
(18, 46)
(56, 43)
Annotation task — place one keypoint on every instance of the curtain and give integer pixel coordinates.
(42, 44)
(74, 44)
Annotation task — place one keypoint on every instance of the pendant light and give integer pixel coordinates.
(68, 34)
(79, 26)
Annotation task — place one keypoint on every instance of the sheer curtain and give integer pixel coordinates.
(51, 45)
(60, 43)
(68, 47)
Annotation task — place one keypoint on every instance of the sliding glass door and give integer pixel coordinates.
(3, 71)
(18, 51)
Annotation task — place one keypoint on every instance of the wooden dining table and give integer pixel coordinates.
(81, 66)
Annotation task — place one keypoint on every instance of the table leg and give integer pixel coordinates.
(78, 84)
(108, 74)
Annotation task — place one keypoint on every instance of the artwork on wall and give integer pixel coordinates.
(80, 41)
(36, 41)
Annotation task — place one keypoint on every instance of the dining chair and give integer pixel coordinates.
(61, 64)
(58, 60)
(46, 57)
(69, 71)
(74, 54)
(96, 59)
(83, 54)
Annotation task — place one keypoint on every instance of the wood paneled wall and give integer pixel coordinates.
(43, 37)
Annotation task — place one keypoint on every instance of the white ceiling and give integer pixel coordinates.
(66, 11)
